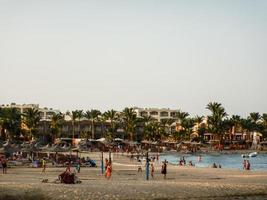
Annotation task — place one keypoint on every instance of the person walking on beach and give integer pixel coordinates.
(108, 171)
(248, 165)
(152, 170)
(43, 165)
(78, 166)
(4, 165)
(245, 164)
(164, 169)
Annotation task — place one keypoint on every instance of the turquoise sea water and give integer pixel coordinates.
(231, 161)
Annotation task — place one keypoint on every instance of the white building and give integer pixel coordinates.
(157, 113)
(45, 113)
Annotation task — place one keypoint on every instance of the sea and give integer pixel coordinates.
(229, 161)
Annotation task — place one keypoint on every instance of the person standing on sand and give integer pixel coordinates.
(248, 165)
(4, 165)
(164, 169)
(108, 171)
(43, 165)
(244, 164)
(152, 170)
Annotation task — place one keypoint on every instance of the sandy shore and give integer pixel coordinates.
(127, 183)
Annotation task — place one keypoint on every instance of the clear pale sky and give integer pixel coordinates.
(112, 54)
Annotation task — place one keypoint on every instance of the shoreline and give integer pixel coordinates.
(126, 183)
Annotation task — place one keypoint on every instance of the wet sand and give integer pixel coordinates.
(127, 183)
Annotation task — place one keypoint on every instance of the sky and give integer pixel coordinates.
(147, 53)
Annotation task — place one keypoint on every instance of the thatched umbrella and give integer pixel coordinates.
(8, 150)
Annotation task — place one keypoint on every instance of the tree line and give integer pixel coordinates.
(15, 125)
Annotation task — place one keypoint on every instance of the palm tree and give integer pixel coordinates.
(112, 116)
(181, 115)
(264, 123)
(74, 117)
(153, 131)
(129, 119)
(187, 124)
(79, 117)
(56, 124)
(93, 115)
(215, 120)
(31, 118)
(200, 126)
(199, 120)
(10, 123)
(254, 117)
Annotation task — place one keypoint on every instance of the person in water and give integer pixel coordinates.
(214, 165)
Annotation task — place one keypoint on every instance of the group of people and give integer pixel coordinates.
(182, 162)
(246, 165)
(214, 165)
(152, 168)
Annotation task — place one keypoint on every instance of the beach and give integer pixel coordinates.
(126, 183)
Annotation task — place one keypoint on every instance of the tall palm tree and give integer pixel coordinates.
(74, 117)
(153, 131)
(93, 115)
(31, 118)
(10, 123)
(199, 120)
(236, 121)
(56, 124)
(200, 126)
(215, 120)
(129, 119)
(112, 116)
(187, 124)
(80, 114)
(181, 115)
(254, 117)
(264, 123)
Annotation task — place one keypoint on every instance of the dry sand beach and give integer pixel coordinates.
(127, 183)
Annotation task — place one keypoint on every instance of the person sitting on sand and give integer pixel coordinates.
(214, 165)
